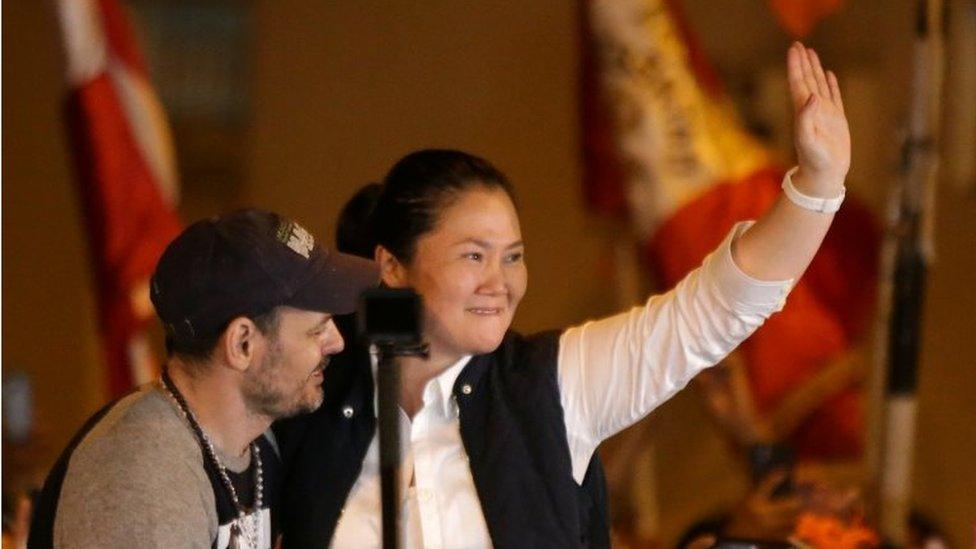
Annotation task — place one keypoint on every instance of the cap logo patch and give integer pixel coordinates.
(296, 237)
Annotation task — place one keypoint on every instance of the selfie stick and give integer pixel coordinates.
(389, 320)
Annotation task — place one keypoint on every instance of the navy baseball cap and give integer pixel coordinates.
(246, 263)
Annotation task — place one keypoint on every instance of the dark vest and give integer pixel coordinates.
(513, 431)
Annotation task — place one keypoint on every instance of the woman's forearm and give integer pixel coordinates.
(782, 243)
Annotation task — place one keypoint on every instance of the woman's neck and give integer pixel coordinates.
(415, 373)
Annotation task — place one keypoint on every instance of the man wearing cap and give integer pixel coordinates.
(247, 302)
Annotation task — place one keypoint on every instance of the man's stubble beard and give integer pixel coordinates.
(264, 397)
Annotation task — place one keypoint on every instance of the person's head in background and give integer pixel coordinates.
(354, 233)
(445, 223)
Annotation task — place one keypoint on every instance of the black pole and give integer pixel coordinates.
(912, 253)
(906, 314)
(390, 320)
(388, 389)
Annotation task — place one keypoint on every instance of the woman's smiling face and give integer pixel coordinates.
(469, 271)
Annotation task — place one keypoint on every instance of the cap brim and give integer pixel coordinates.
(336, 283)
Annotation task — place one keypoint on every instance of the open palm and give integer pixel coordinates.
(821, 135)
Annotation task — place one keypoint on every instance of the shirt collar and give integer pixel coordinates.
(448, 377)
(443, 381)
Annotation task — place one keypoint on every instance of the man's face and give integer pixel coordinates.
(288, 377)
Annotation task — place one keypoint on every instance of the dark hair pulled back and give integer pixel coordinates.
(411, 199)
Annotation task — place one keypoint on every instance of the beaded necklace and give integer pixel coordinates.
(245, 529)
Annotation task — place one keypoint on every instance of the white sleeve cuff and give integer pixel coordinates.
(740, 291)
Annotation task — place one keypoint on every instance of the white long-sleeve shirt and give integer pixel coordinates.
(611, 373)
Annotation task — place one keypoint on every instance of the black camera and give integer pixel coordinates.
(390, 316)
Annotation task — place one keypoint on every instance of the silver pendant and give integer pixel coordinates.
(235, 537)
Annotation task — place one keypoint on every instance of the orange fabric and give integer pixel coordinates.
(831, 531)
(798, 17)
(827, 312)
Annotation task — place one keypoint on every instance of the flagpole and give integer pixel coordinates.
(910, 245)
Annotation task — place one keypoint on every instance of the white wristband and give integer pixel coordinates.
(813, 203)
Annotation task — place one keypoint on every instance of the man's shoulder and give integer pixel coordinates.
(137, 469)
(142, 432)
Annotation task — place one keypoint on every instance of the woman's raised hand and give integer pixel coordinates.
(821, 135)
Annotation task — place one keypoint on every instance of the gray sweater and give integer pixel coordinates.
(137, 480)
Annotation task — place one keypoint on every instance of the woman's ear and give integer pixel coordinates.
(239, 343)
(392, 272)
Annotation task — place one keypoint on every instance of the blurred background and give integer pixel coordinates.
(293, 105)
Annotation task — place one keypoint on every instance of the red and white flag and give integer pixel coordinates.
(664, 147)
(126, 176)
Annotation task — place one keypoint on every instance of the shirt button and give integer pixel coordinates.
(347, 411)
(424, 494)
(466, 389)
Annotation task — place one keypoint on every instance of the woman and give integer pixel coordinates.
(500, 430)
